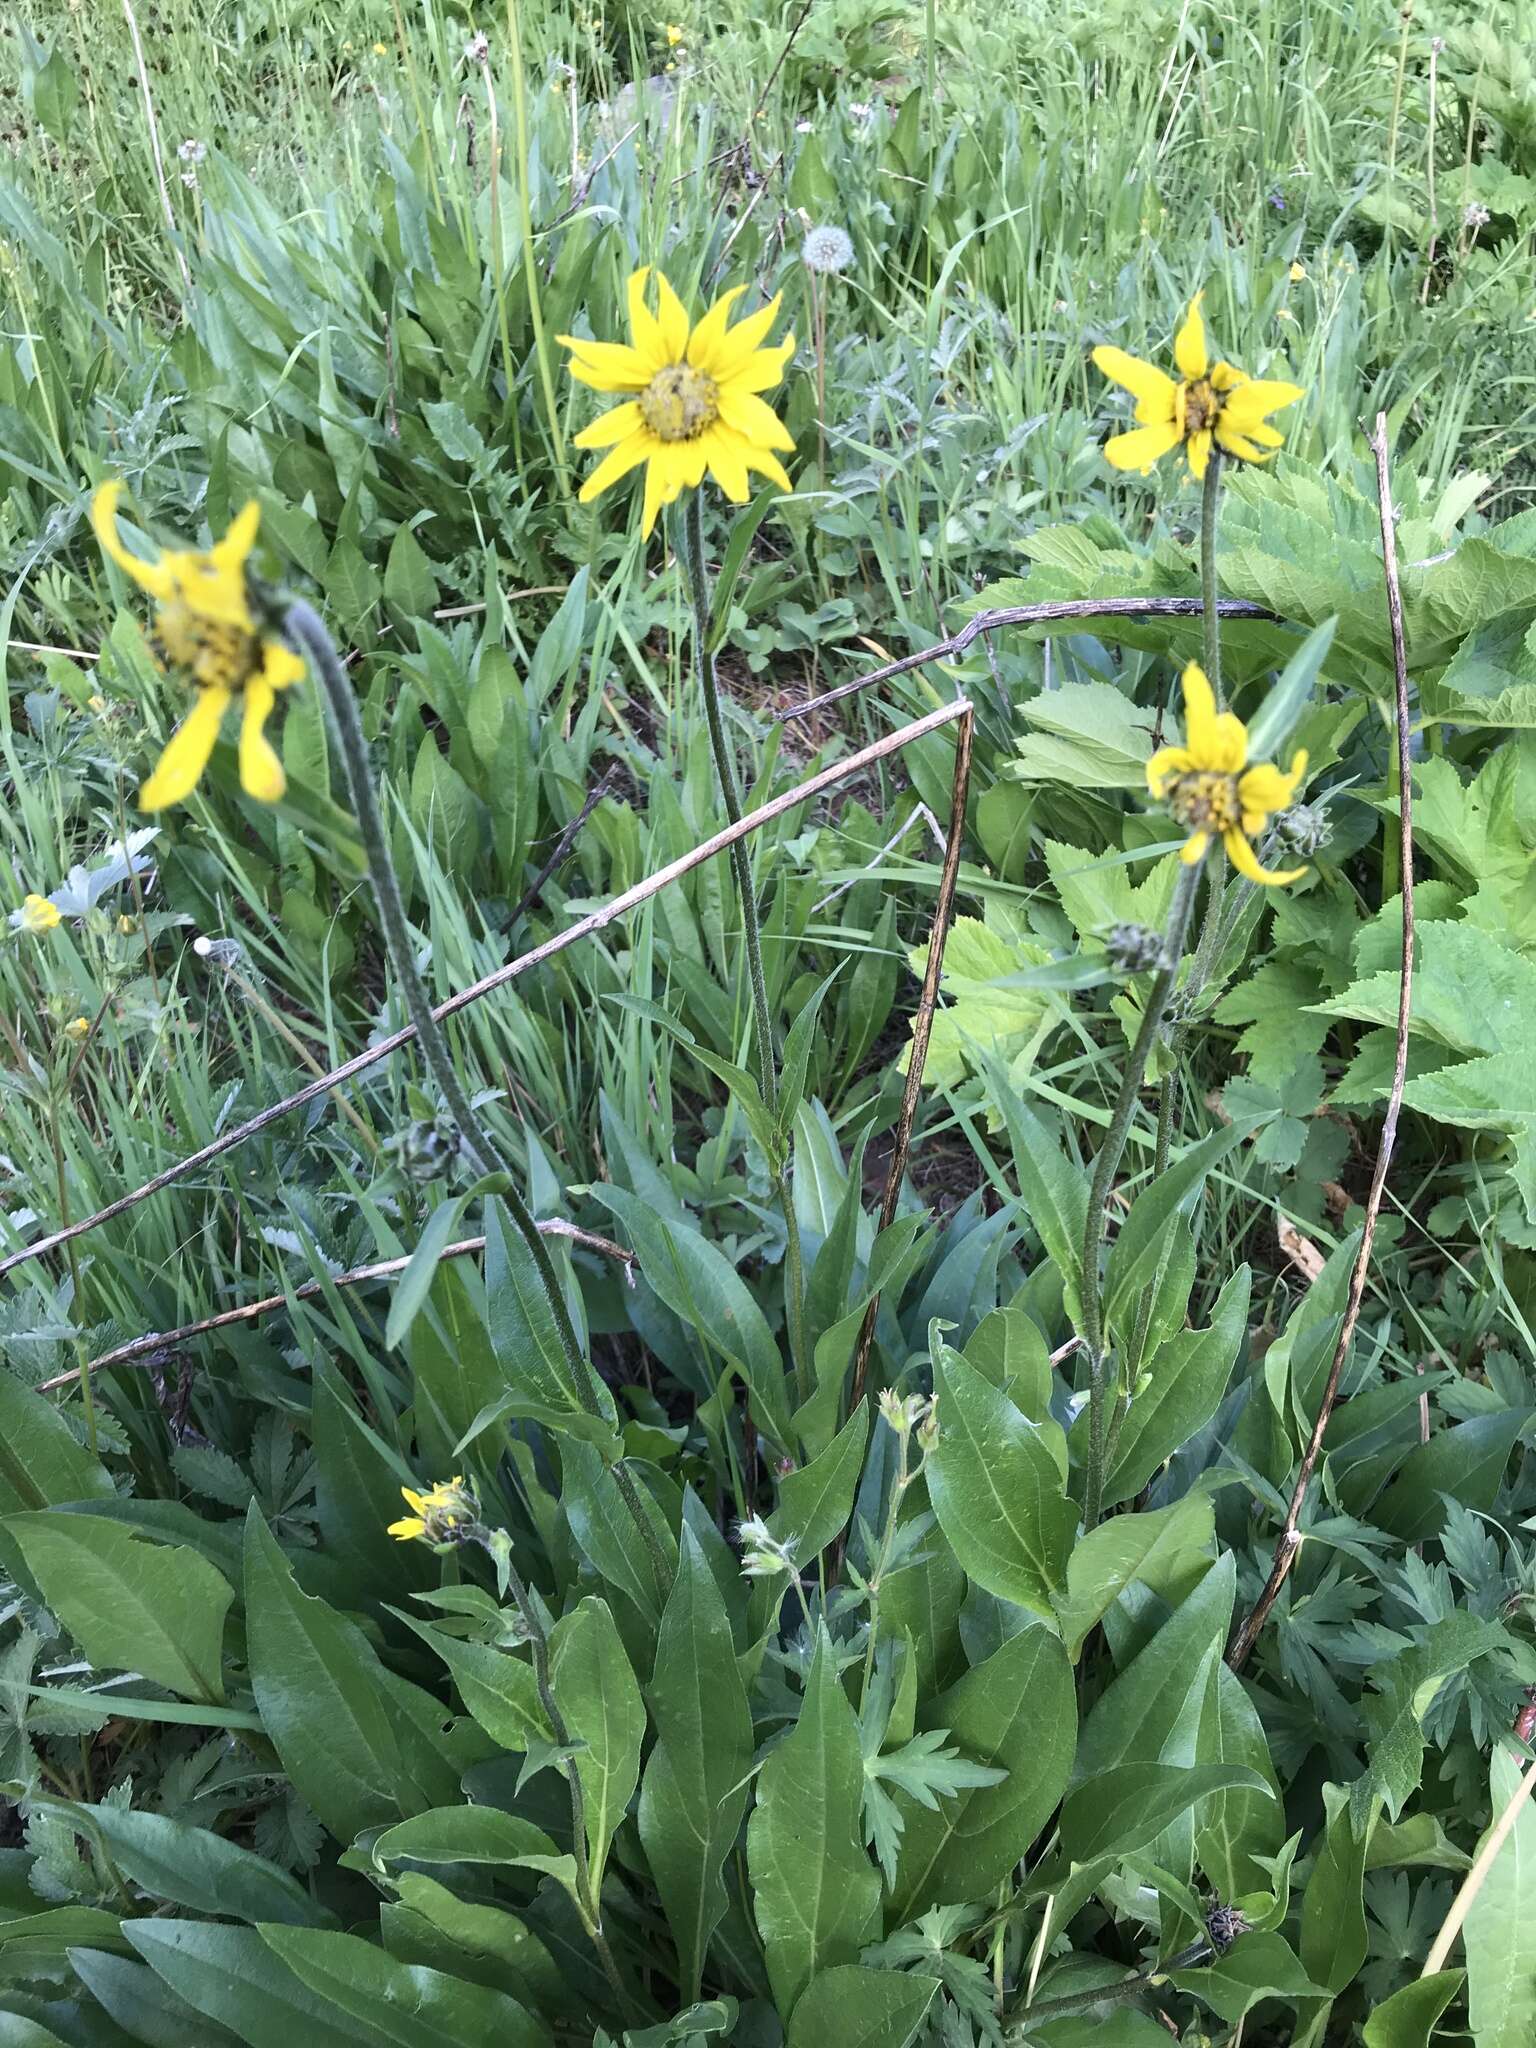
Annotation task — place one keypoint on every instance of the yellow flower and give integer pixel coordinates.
(438, 1515)
(694, 401)
(1209, 788)
(1207, 404)
(78, 1028)
(38, 915)
(381, 49)
(206, 627)
(674, 35)
(1298, 272)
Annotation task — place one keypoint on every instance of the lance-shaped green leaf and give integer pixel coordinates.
(600, 1702)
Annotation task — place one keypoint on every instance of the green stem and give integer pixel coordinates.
(530, 261)
(1211, 615)
(305, 627)
(691, 549)
(1027, 2018)
(1104, 1168)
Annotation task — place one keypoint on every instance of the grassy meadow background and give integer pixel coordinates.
(319, 251)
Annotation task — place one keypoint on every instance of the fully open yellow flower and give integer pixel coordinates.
(205, 625)
(1211, 790)
(692, 398)
(438, 1515)
(1207, 405)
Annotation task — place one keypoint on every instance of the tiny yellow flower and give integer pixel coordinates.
(693, 401)
(206, 627)
(127, 925)
(381, 49)
(1209, 788)
(78, 1028)
(1207, 405)
(1284, 313)
(1298, 272)
(674, 35)
(437, 1516)
(38, 915)
(97, 703)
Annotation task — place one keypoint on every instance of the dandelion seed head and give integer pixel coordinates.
(827, 249)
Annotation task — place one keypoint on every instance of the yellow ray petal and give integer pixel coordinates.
(753, 419)
(728, 463)
(1199, 713)
(1227, 377)
(186, 755)
(1193, 849)
(1165, 764)
(673, 321)
(619, 462)
(1148, 385)
(1189, 349)
(1253, 401)
(1245, 860)
(261, 772)
(740, 341)
(607, 365)
(611, 427)
(704, 350)
(762, 369)
(408, 1527)
(281, 668)
(769, 466)
(1199, 454)
(418, 1501)
(645, 330)
(1233, 443)
(1268, 787)
(151, 576)
(1141, 448)
(232, 552)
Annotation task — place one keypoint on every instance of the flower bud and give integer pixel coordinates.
(1134, 948)
(1304, 827)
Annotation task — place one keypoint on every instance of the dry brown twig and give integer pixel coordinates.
(1290, 1540)
(616, 907)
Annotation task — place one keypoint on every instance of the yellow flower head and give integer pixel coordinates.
(440, 1515)
(692, 400)
(38, 915)
(1298, 272)
(78, 1028)
(1209, 404)
(205, 625)
(1210, 789)
(674, 35)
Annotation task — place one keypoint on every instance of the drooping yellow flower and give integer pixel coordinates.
(206, 627)
(1211, 790)
(691, 398)
(78, 1028)
(1209, 404)
(439, 1515)
(38, 915)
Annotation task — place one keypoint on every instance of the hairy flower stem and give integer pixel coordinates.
(303, 625)
(588, 1904)
(1104, 1168)
(691, 529)
(1210, 615)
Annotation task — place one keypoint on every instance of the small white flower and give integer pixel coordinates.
(763, 1556)
(478, 48)
(192, 151)
(826, 249)
(803, 127)
(1475, 216)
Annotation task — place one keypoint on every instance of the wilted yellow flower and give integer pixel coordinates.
(1206, 405)
(1298, 272)
(694, 403)
(1211, 791)
(78, 1028)
(206, 627)
(439, 1515)
(38, 915)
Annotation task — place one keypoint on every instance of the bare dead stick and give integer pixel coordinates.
(1028, 615)
(616, 907)
(1290, 1538)
(148, 1349)
(564, 843)
(922, 1028)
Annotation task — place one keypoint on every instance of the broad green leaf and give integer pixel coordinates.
(1089, 735)
(1054, 1190)
(143, 2005)
(1117, 1811)
(605, 1531)
(1407, 2018)
(1334, 1940)
(1188, 1377)
(1007, 1348)
(814, 1890)
(695, 1786)
(131, 1605)
(1142, 1240)
(497, 1686)
(318, 1690)
(600, 1703)
(1105, 1561)
(462, 1834)
(415, 1283)
(853, 2007)
(189, 1866)
(1239, 1829)
(815, 1502)
(997, 1490)
(524, 1333)
(41, 1464)
(486, 1943)
(1258, 1966)
(1272, 725)
(231, 1975)
(1466, 1461)
(1499, 1934)
(1017, 1712)
(1144, 1709)
(402, 2005)
(991, 1013)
